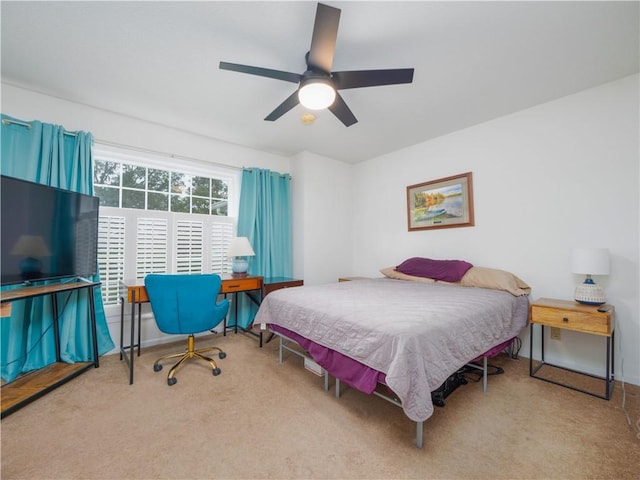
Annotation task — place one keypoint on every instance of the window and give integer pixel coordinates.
(155, 218)
(124, 185)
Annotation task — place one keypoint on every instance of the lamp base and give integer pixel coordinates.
(239, 267)
(588, 293)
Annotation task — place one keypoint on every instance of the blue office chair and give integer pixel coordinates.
(186, 304)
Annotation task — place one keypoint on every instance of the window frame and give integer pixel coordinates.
(231, 175)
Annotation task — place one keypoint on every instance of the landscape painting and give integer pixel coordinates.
(442, 203)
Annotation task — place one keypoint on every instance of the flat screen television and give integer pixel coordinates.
(46, 233)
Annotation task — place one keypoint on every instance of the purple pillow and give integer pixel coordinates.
(446, 270)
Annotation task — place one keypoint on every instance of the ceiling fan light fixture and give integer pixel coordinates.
(316, 95)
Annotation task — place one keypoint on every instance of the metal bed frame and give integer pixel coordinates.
(284, 344)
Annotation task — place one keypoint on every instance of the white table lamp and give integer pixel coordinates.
(590, 261)
(239, 248)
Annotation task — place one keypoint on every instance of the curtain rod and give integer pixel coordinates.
(282, 175)
(164, 154)
(8, 121)
(178, 157)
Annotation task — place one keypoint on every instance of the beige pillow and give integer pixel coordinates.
(496, 279)
(480, 277)
(390, 272)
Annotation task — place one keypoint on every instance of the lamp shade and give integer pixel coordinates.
(240, 247)
(590, 261)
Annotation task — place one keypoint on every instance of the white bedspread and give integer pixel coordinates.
(417, 334)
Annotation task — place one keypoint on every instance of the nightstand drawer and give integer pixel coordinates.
(572, 316)
(583, 322)
(241, 284)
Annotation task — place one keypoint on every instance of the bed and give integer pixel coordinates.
(406, 332)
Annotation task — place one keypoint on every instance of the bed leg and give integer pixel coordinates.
(326, 381)
(419, 434)
(337, 388)
(280, 350)
(484, 374)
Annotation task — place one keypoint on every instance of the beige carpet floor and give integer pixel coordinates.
(260, 420)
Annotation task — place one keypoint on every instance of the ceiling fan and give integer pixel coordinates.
(318, 85)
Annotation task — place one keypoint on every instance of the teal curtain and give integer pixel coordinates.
(265, 219)
(44, 153)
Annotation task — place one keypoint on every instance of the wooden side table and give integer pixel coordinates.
(276, 283)
(27, 388)
(246, 284)
(570, 315)
(271, 284)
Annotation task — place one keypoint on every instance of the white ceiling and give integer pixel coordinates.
(474, 61)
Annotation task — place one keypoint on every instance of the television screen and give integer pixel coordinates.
(46, 232)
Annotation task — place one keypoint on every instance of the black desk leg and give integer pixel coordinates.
(94, 333)
(235, 307)
(132, 336)
(139, 329)
(56, 328)
(224, 321)
(121, 325)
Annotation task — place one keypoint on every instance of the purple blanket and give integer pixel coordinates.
(350, 371)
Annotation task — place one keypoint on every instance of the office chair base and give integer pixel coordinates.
(190, 353)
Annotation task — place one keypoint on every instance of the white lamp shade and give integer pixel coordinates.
(590, 261)
(240, 247)
(316, 95)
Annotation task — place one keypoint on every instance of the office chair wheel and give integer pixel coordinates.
(216, 372)
(172, 381)
(157, 367)
(222, 355)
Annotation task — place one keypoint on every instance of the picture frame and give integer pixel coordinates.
(442, 203)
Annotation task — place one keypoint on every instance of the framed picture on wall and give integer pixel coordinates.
(442, 203)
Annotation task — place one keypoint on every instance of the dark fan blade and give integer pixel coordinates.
(340, 110)
(323, 41)
(284, 107)
(371, 78)
(263, 72)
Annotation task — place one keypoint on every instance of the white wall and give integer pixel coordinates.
(322, 218)
(547, 179)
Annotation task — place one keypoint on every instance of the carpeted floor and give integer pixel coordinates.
(259, 419)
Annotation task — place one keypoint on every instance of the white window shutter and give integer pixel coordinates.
(221, 235)
(111, 242)
(152, 245)
(189, 243)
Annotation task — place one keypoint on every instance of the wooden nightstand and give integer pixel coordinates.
(272, 284)
(570, 315)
